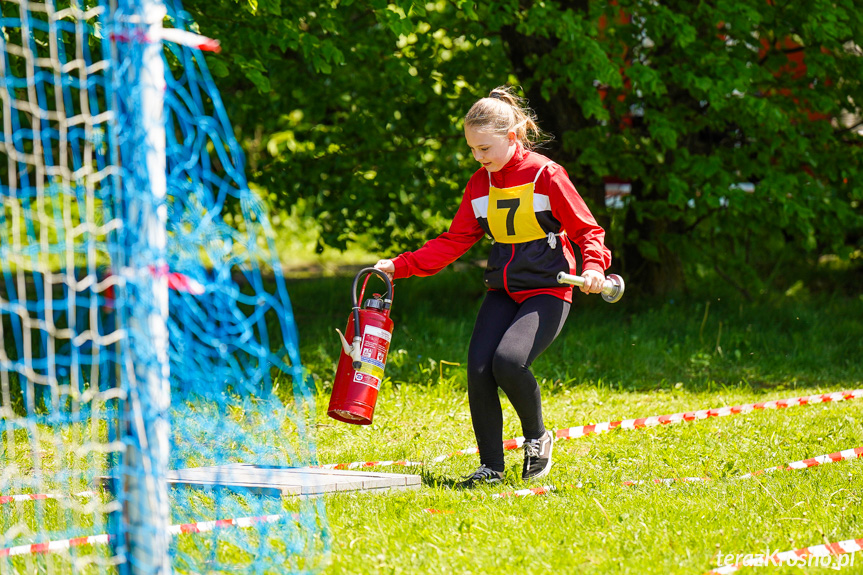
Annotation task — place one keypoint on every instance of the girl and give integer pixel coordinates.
(531, 210)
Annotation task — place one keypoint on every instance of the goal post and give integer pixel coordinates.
(143, 539)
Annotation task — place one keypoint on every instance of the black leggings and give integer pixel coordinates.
(506, 339)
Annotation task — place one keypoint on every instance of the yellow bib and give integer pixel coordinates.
(511, 216)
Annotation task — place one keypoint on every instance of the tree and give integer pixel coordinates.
(726, 116)
(354, 108)
(707, 101)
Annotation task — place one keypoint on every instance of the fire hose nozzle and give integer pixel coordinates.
(612, 288)
(352, 350)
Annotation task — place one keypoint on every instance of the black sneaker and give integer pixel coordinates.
(482, 475)
(537, 457)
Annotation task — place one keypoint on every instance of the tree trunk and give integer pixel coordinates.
(660, 278)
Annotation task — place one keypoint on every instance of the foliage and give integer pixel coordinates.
(355, 107)
(733, 93)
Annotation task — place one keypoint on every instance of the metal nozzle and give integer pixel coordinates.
(612, 288)
(352, 350)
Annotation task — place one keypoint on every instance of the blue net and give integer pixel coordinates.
(150, 381)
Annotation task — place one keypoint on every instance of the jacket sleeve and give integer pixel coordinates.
(436, 254)
(569, 208)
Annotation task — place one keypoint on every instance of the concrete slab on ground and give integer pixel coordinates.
(288, 481)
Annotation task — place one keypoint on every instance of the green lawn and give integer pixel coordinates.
(634, 359)
(628, 360)
(602, 526)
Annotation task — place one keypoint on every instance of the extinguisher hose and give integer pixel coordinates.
(356, 306)
(362, 273)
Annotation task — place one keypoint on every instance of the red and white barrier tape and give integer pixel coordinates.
(204, 526)
(668, 481)
(639, 423)
(362, 464)
(175, 35)
(41, 496)
(520, 493)
(190, 39)
(845, 455)
(795, 556)
(54, 546)
(176, 281)
(525, 492)
(104, 538)
(644, 422)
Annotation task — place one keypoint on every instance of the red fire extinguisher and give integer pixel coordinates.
(361, 363)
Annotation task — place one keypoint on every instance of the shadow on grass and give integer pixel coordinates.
(437, 481)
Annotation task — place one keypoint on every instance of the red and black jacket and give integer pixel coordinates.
(524, 207)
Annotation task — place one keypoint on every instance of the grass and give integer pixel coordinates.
(704, 342)
(603, 526)
(632, 359)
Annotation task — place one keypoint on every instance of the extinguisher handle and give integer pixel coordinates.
(356, 305)
(365, 272)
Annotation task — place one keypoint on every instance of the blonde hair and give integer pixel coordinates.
(504, 111)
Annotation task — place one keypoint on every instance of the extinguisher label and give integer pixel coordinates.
(376, 345)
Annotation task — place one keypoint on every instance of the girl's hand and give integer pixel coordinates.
(386, 266)
(593, 281)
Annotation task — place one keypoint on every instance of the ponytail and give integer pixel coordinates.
(503, 111)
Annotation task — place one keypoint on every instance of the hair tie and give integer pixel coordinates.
(495, 95)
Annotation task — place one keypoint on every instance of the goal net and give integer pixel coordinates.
(143, 333)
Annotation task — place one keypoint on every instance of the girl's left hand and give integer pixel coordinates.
(593, 281)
